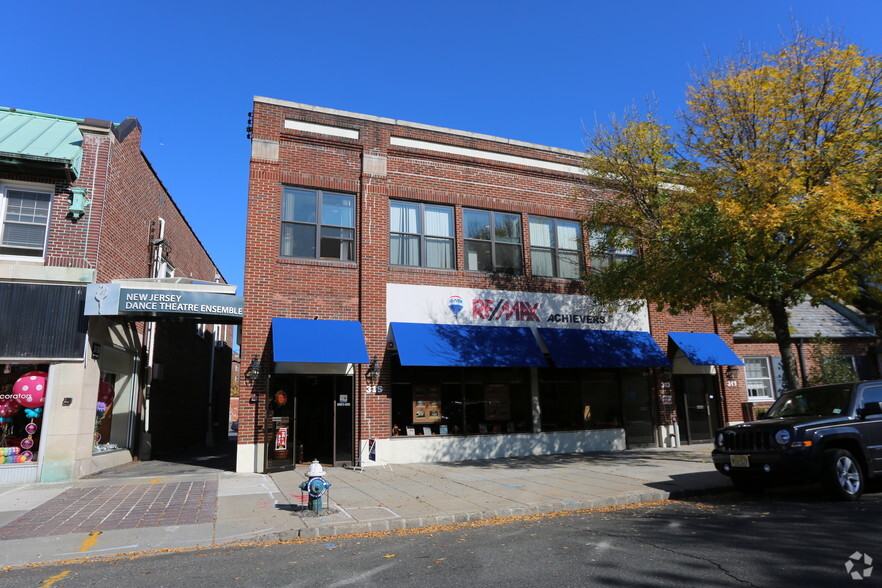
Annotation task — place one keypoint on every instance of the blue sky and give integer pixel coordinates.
(534, 71)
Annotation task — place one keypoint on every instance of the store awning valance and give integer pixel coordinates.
(587, 348)
(705, 349)
(466, 345)
(314, 341)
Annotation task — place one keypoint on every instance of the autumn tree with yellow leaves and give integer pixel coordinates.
(769, 192)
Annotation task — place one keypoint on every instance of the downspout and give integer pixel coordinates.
(151, 325)
(209, 435)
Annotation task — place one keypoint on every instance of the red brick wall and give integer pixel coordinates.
(276, 287)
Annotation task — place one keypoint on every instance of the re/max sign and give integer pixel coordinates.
(504, 309)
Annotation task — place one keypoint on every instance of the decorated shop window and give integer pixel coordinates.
(426, 404)
(104, 413)
(22, 398)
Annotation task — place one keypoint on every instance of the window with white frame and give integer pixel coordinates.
(603, 255)
(555, 248)
(758, 372)
(492, 242)
(421, 235)
(318, 224)
(25, 218)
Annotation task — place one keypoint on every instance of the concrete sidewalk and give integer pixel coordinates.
(159, 505)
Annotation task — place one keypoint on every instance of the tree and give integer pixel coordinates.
(768, 194)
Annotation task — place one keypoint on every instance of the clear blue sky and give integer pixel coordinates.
(533, 71)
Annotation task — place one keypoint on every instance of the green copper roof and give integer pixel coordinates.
(31, 142)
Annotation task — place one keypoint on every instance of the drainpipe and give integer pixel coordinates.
(209, 435)
(151, 325)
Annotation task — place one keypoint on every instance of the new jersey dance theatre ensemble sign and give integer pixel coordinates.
(112, 299)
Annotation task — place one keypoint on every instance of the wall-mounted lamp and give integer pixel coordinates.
(731, 372)
(666, 375)
(252, 373)
(373, 372)
(78, 202)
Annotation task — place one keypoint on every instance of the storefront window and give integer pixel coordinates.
(573, 400)
(22, 400)
(460, 401)
(104, 421)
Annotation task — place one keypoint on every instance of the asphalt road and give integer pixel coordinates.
(784, 538)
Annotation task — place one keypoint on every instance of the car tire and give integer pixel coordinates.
(843, 475)
(747, 485)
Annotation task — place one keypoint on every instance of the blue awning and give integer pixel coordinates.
(466, 345)
(602, 349)
(705, 349)
(308, 341)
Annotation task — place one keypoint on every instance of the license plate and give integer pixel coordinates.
(740, 461)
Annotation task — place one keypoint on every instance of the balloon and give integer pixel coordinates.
(105, 393)
(8, 407)
(30, 389)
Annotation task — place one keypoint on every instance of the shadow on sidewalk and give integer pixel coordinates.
(204, 460)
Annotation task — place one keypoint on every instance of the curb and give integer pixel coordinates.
(413, 523)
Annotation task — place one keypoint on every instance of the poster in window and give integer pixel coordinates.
(497, 406)
(426, 404)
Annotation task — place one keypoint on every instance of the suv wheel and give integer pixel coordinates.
(843, 474)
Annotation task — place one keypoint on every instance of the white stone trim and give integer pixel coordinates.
(250, 458)
(437, 448)
(299, 125)
(488, 155)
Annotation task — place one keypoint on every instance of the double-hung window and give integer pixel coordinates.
(318, 224)
(421, 235)
(758, 373)
(555, 248)
(25, 216)
(492, 242)
(604, 255)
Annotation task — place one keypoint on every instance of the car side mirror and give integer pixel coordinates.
(870, 408)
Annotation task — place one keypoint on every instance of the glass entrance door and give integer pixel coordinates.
(697, 407)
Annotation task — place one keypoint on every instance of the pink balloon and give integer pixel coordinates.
(8, 407)
(105, 393)
(30, 389)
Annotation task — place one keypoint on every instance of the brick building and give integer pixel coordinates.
(413, 294)
(88, 226)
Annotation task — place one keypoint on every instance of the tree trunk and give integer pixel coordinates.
(781, 329)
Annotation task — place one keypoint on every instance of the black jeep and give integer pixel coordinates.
(829, 433)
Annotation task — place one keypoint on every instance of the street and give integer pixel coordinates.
(785, 537)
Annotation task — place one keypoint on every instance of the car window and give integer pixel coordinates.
(812, 402)
(872, 394)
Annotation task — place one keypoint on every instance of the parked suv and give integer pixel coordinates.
(828, 433)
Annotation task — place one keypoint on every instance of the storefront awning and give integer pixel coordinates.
(705, 349)
(602, 349)
(466, 345)
(314, 341)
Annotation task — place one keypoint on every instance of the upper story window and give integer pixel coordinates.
(25, 216)
(758, 373)
(555, 248)
(421, 235)
(603, 255)
(318, 224)
(492, 242)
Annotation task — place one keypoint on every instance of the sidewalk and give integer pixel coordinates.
(160, 505)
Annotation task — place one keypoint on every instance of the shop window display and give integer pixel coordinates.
(104, 413)
(22, 400)
(460, 401)
(573, 400)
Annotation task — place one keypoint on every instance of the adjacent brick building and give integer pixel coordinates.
(413, 293)
(85, 217)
